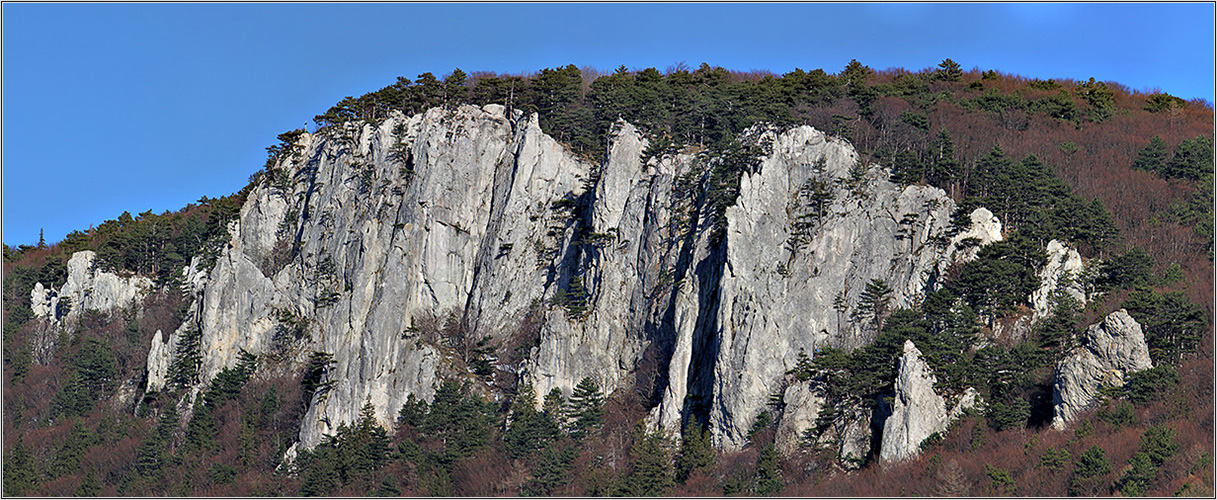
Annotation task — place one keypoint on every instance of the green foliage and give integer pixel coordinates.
(352, 454)
(1118, 413)
(949, 71)
(1054, 458)
(586, 407)
(1002, 276)
(67, 458)
(1172, 323)
(154, 450)
(1197, 211)
(222, 473)
(873, 302)
(228, 383)
(768, 474)
(1193, 159)
(1028, 197)
(760, 424)
(188, 359)
(696, 452)
(1131, 269)
(1059, 105)
(1159, 102)
(573, 298)
(554, 469)
(413, 411)
(1152, 384)
(202, 429)
(463, 422)
(1099, 97)
(388, 488)
(1153, 157)
(1011, 415)
(1000, 480)
(93, 376)
(651, 474)
(1139, 476)
(1159, 443)
(20, 470)
(530, 430)
(1088, 472)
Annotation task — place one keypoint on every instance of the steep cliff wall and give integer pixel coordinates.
(393, 247)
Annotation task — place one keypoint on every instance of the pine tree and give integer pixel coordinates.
(202, 429)
(20, 470)
(586, 407)
(695, 451)
(768, 474)
(1153, 157)
(651, 474)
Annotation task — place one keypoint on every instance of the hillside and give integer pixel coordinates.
(642, 283)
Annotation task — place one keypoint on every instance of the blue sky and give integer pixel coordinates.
(113, 107)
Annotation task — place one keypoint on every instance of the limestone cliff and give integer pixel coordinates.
(395, 246)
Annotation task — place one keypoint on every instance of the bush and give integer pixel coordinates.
(1010, 415)
(1149, 385)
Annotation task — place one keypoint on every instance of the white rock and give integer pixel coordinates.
(40, 301)
(1110, 350)
(917, 411)
(802, 407)
(1062, 270)
(160, 356)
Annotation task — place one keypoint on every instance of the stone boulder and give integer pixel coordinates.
(1110, 350)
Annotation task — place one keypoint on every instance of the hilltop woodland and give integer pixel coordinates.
(1126, 176)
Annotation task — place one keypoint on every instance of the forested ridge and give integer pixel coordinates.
(1123, 175)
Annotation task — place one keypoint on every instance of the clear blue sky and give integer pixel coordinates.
(113, 107)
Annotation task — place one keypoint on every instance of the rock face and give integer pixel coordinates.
(393, 247)
(1110, 350)
(88, 288)
(1061, 274)
(917, 412)
(802, 407)
(786, 262)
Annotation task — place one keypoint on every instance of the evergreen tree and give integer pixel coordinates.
(202, 429)
(1172, 323)
(768, 475)
(651, 474)
(695, 451)
(455, 91)
(20, 470)
(948, 71)
(67, 458)
(586, 407)
(1088, 471)
(553, 469)
(530, 430)
(942, 168)
(1153, 157)
(1193, 159)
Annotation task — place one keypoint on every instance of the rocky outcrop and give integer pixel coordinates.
(394, 246)
(794, 269)
(1109, 351)
(802, 407)
(917, 411)
(88, 288)
(1061, 274)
